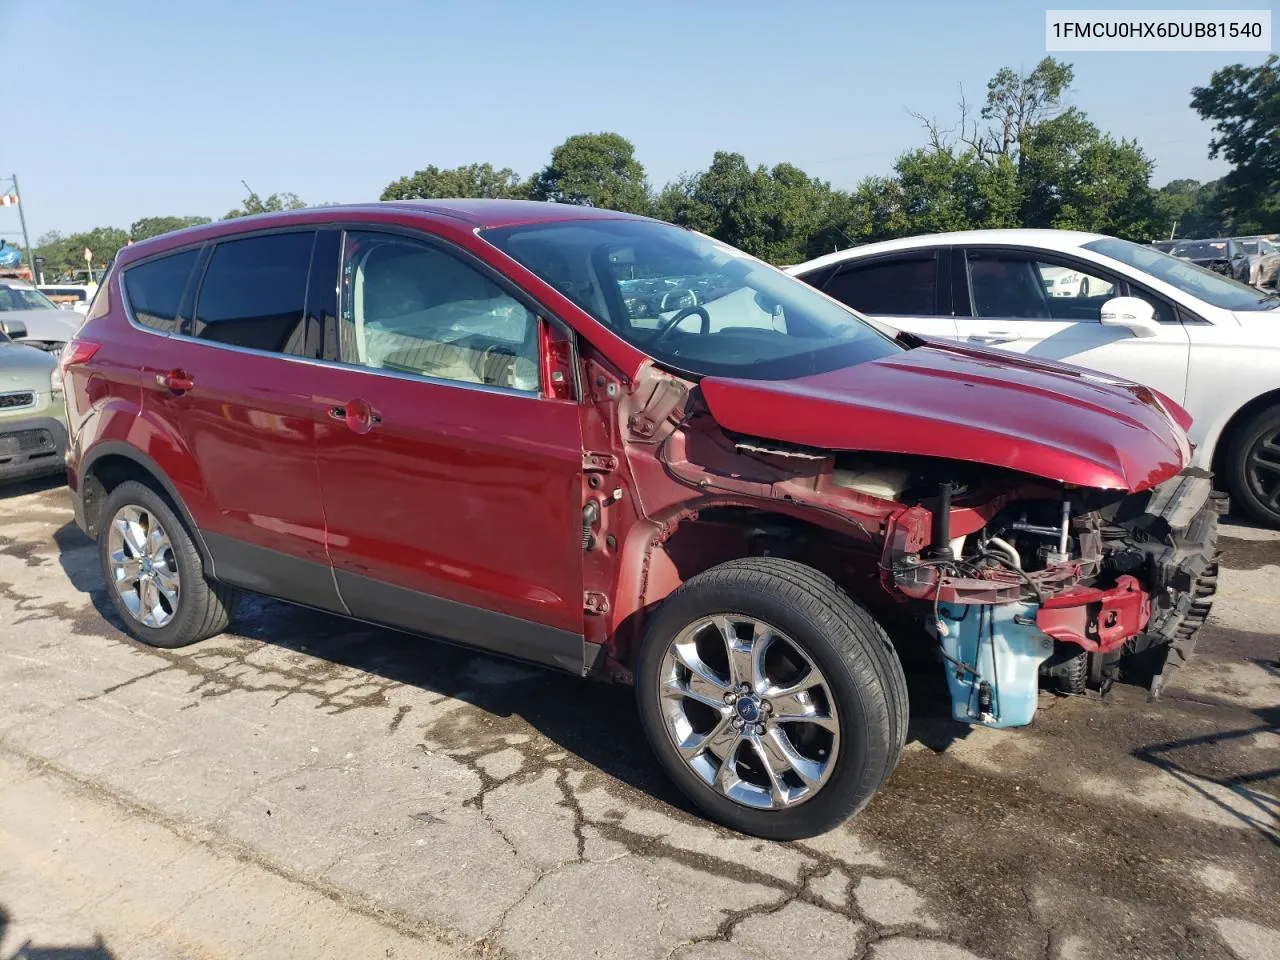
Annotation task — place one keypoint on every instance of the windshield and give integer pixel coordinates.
(692, 303)
(1212, 288)
(24, 298)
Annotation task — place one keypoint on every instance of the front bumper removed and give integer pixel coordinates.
(994, 652)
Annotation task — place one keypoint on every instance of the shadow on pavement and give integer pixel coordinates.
(29, 951)
(1254, 809)
(23, 488)
(596, 721)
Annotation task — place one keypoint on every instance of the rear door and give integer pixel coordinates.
(908, 290)
(452, 482)
(1049, 305)
(235, 382)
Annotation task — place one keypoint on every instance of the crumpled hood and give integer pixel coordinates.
(1046, 419)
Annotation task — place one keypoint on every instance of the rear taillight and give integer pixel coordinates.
(77, 352)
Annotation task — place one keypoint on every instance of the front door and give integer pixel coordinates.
(452, 484)
(1050, 306)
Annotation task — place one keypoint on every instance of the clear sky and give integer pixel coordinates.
(119, 109)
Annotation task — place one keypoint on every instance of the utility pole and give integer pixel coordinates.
(26, 241)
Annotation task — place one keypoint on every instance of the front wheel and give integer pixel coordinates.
(775, 702)
(1253, 467)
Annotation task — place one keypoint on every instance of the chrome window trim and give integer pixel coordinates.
(344, 227)
(336, 364)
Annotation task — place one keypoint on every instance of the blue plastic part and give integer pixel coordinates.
(1001, 660)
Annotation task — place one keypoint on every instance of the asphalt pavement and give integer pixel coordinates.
(307, 786)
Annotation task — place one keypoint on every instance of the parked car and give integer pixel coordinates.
(46, 326)
(1264, 260)
(70, 296)
(445, 417)
(1210, 343)
(1223, 256)
(33, 435)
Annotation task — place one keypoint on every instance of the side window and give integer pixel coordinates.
(155, 289)
(905, 287)
(410, 307)
(254, 291)
(1016, 286)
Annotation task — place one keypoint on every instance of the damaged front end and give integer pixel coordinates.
(1070, 586)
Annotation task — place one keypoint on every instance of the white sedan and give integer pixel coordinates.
(1207, 341)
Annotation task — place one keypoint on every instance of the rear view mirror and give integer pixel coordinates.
(14, 329)
(1133, 313)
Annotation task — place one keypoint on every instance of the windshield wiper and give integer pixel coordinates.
(1269, 297)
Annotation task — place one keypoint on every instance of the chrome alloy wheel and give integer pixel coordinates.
(144, 569)
(749, 711)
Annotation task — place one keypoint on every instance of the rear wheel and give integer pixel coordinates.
(775, 702)
(154, 573)
(1253, 467)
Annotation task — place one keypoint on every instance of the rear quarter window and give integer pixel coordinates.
(154, 290)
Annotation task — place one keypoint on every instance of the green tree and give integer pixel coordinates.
(254, 204)
(470, 180)
(595, 170)
(1074, 177)
(65, 254)
(154, 226)
(1187, 208)
(1244, 104)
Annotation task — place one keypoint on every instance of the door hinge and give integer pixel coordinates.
(599, 461)
(596, 603)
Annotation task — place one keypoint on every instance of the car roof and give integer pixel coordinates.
(476, 213)
(1063, 240)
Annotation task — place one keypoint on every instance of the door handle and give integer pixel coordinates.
(357, 415)
(995, 336)
(175, 381)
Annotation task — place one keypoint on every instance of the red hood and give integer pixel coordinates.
(1045, 419)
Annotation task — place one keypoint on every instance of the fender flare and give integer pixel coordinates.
(121, 449)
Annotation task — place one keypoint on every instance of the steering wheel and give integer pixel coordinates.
(675, 321)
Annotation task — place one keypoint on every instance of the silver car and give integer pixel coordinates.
(33, 432)
(45, 325)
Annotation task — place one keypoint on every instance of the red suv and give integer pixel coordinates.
(620, 448)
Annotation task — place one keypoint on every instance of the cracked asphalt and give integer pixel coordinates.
(307, 786)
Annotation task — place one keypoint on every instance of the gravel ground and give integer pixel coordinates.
(305, 786)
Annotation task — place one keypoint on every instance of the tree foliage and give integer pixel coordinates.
(254, 204)
(154, 226)
(595, 170)
(471, 180)
(65, 254)
(1244, 103)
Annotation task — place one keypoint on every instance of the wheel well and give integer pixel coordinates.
(104, 475)
(1238, 420)
(719, 534)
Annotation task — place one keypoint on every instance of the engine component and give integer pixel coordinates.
(993, 656)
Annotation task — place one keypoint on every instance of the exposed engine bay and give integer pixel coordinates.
(1019, 581)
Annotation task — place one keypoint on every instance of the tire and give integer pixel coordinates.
(1256, 491)
(861, 678)
(203, 608)
(1071, 677)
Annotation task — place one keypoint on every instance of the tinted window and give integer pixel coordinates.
(1016, 286)
(411, 307)
(155, 289)
(254, 292)
(902, 288)
(691, 302)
